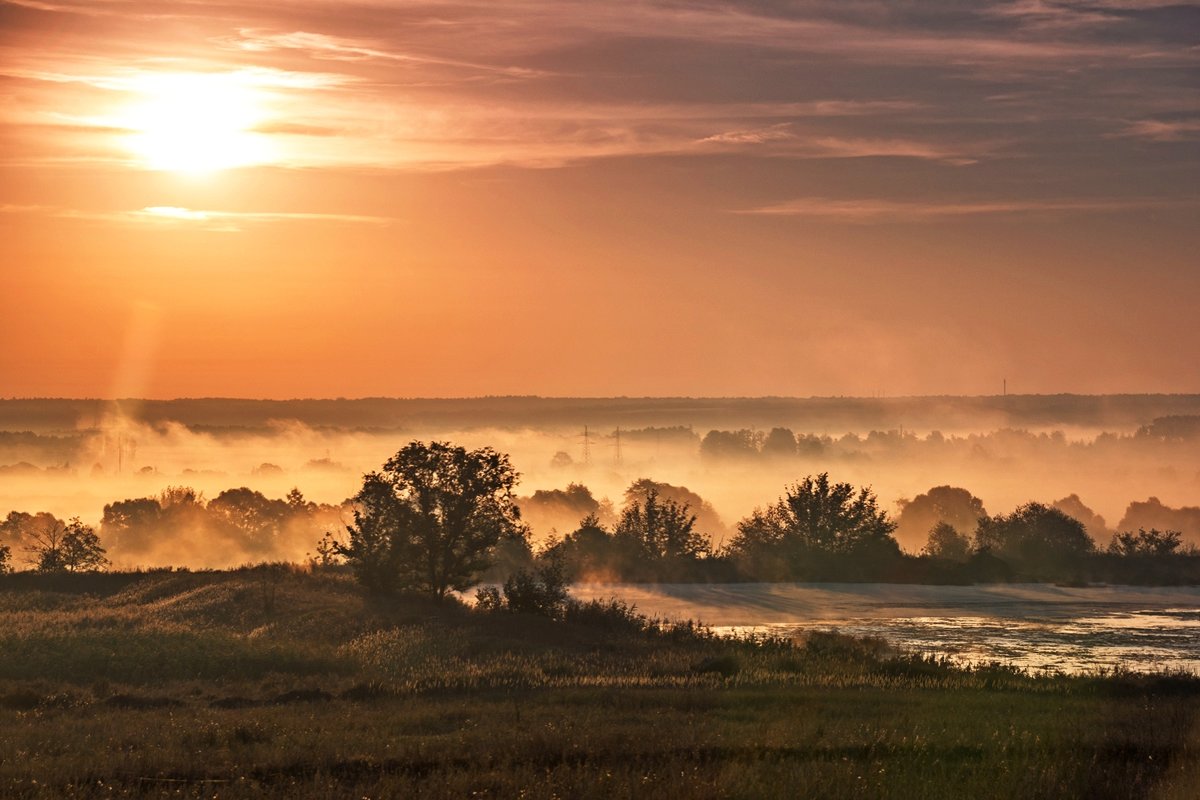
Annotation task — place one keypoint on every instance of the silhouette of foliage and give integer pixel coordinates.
(708, 521)
(661, 528)
(813, 527)
(431, 518)
(1175, 428)
(947, 543)
(591, 552)
(1153, 513)
(252, 518)
(19, 526)
(780, 443)
(131, 525)
(67, 547)
(540, 590)
(1035, 539)
(1093, 523)
(549, 510)
(952, 505)
(731, 444)
(1151, 543)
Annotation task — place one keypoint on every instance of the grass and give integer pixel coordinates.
(283, 683)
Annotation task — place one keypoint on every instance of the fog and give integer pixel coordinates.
(71, 458)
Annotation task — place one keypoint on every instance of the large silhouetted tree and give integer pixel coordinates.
(432, 517)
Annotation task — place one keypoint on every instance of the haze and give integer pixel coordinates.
(1129, 461)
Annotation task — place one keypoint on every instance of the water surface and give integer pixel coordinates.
(1036, 626)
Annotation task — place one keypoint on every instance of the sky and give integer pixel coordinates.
(562, 197)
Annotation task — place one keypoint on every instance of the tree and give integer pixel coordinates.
(549, 510)
(1153, 513)
(947, 543)
(780, 443)
(663, 529)
(19, 526)
(69, 547)
(707, 519)
(1073, 506)
(1040, 541)
(432, 518)
(131, 526)
(251, 518)
(950, 504)
(591, 553)
(538, 590)
(731, 444)
(5, 558)
(813, 521)
(1145, 543)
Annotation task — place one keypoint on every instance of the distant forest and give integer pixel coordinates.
(809, 414)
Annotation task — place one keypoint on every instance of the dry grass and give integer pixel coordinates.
(275, 683)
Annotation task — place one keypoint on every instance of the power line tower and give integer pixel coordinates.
(587, 446)
(617, 445)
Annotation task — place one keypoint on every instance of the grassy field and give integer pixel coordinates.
(283, 683)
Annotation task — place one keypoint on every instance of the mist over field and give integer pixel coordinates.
(71, 458)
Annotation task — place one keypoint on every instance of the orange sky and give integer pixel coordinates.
(574, 198)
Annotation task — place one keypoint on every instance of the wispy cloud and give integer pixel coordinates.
(202, 219)
(786, 139)
(870, 210)
(338, 48)
(1163, 130)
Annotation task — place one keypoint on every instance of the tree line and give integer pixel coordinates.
(177, 526)
(439, 518)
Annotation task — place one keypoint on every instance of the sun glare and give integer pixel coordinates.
(196, 122)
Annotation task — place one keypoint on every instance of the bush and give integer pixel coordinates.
(541, 590)
(487, 598)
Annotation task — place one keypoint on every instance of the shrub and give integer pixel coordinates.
(541, 590)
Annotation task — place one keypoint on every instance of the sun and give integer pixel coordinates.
(195, 122)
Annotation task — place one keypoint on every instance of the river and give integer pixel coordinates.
(1035, 626)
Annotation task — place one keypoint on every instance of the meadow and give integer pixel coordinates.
(279, 681)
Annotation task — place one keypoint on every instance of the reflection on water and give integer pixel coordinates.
(1036, 626)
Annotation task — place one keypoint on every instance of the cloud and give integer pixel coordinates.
(336, 48)
(226, 221)
(1040, 14)
(786, 139)
(1163, 130)
(868, 210)
(535, 83)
